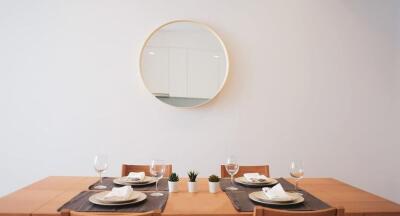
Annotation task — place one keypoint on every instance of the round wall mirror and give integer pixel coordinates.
(184, 63)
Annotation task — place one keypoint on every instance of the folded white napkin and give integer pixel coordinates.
(119, 193)
(254, 177)
(276, 192)
(136, 176)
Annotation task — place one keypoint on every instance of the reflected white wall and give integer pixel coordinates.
(184, 60)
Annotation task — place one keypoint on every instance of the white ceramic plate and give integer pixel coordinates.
(93, 199)
(101, 197)
(244, 181)
(123, 181)
(144, 180)
(292, 196)
(260, 197)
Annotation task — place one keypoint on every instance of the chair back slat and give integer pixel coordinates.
(260, 211)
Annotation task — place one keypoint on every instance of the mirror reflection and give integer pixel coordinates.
(184, 64)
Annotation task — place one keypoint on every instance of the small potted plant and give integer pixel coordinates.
(213, 182)
(192, 184)
(173, 183)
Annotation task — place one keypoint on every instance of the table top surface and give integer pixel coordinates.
(46, 196)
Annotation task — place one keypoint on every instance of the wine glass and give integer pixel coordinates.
(100, 165)
(157, 169)
(232, 167)
(297, 172)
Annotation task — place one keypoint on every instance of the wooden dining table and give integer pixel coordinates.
(47, 195)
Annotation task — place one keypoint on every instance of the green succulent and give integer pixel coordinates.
(213, 178)
(173, 177)
(192, 175)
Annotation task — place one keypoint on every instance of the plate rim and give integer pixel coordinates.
(273, 181)
(141, 198)
(299, 200)
(118, 182)
(282, 201)
(150, 178)
(97, 194)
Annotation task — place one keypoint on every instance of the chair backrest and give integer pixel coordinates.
(260, 211)
(262, 169)
(73, 213)
(126, 168)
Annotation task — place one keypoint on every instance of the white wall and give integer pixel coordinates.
(314, 80)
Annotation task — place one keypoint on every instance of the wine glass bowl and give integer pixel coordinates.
(296, 171)
(297, 175)
(100, 166)
(157, 170)
(232, 168)
(158, 174)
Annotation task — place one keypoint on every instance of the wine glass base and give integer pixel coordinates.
(156, 194)
(100, 187)
(231, 188)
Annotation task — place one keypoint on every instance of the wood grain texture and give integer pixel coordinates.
(46, 196)
(126, 168)
(33, 197)
(261, 169)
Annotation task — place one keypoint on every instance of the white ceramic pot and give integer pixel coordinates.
(173, 187)
(213, 187)
(192, 187)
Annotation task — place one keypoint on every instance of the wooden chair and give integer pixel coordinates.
(126, 168)
(262, 169)
(73, 213)
(260, 211)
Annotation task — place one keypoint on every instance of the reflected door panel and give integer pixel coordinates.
(178, 72)
(203, 74)
(156, 70)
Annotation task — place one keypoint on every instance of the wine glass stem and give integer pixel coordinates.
(101, 179)
(157, 186)
(232, 180)
(296, 185)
